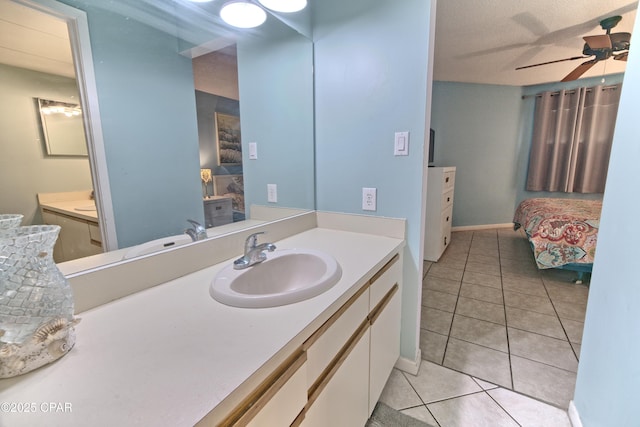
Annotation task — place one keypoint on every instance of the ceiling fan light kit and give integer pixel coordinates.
(600, 47)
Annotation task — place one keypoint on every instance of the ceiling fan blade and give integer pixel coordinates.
(598, 42)
(580, 70)
(552, 62)
(621, 56)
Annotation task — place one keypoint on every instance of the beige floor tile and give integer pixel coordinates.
(484, 384)
(484, 259)
(398, 393)
(426, 265)
(535, 322)
(544, 382)
(494, 252)
(538, 304)
(542, 349)
(477, 410)
(573, 329)
(455, 261)
(477, 267)
(434, 383)
(576, 349)
(525, 285)
(435, 320)
(529, 412)
(420, 413)
(480, 332)
(443, 272)
(524, 268)
(432, 346)
(481, 310)
(442, 285)
(481, 362)
(568, 292)
(482, 279)
(482, 293)
(440, 300)
(572, 311)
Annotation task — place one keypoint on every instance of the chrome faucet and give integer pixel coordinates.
(253, 253)
(196, 231)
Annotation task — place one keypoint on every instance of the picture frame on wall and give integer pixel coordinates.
(230, 186)
(228, 139)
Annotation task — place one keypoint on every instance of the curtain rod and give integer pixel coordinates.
(589, 89)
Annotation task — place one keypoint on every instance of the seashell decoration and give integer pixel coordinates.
(36, 303)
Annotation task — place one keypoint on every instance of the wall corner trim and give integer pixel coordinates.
(574, 417)
(410, 366)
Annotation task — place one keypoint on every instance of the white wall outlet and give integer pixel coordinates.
(401, 144)
(253, 150)
(272, 193)
(368, 199)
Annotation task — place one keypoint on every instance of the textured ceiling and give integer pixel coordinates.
(483, 41)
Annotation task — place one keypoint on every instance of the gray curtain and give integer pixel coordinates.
(572, 136)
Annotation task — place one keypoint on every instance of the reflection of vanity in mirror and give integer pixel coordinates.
(150, 96)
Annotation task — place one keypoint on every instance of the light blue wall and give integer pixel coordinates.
(371, 81)
(277, 76)
(485, 131)
(477, 130)
(609, 372)
(147, 105)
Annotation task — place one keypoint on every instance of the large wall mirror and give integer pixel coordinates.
(166, 74)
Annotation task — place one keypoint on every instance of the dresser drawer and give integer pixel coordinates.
(448, 180)
(218, 212)
(447, 199)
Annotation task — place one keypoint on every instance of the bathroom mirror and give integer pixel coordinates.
(143, 53)
(62, 128)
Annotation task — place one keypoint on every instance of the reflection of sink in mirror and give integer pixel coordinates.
(157, 245)
(86, 208)
(286, 277)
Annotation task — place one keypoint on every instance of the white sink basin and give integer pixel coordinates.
(157, 245)
(287, 276)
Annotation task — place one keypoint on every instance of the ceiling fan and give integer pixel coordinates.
(601, 47)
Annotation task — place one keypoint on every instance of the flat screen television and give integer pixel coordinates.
(432, 138)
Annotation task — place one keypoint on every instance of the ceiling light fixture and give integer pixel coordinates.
(242, 14)
(286, 6)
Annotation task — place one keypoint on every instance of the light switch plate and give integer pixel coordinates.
(401, 144)
(369, 199)
(253, 150)
(272, 193)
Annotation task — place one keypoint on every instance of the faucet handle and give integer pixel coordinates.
(195, 224)
(252, 240)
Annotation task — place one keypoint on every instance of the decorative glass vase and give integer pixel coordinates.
(36, 301)
(8, 221)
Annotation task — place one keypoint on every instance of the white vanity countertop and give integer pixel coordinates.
(168, 355)
(76, 208)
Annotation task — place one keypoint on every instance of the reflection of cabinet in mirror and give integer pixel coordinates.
(76, 214)
(217, 211)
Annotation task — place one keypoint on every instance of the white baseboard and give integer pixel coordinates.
(482, 227)
(574, 417)
(410, 366)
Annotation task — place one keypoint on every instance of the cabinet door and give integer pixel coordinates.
(385, 344)
(344, 399)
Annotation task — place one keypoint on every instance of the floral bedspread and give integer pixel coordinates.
(561, 231)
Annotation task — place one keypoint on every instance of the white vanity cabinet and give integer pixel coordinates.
(78, 237)
(440, 188)
(346, 363)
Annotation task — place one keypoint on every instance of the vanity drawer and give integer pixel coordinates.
(327, 341)
(94, 233)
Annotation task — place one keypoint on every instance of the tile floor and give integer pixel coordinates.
(488, 312)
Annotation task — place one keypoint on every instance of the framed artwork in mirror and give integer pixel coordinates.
(228, 139)
(62, 128)
(230, 186)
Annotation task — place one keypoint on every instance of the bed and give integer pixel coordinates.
(563, 232)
